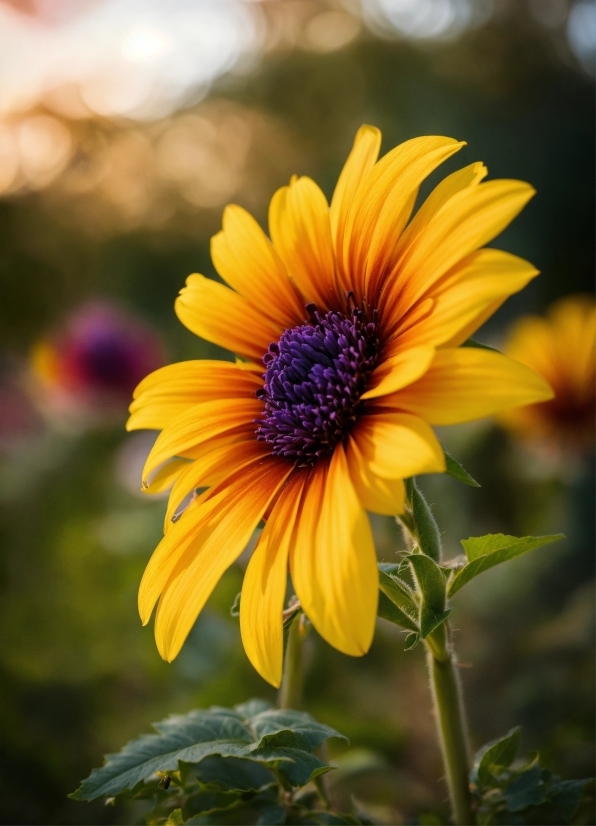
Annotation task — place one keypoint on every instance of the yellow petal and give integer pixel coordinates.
(468, 383)
(171, 390)
(397, 445)
(301, 233)
(470, 219)
(264, 587)
(361, 160)
(398, 371)
(462, 179)
(220, 540)
(378, 495)
(245, 258)
(382, 204)
(334, 565)
(218, 314)
(199, 423)
(221, 457)
(476, 287)
(166, 476)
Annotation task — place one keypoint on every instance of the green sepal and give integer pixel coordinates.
(484, 552)
(432, 583)
(396, 601)
(471, 342)
(495, 756)
(427, 530)
(457, 471)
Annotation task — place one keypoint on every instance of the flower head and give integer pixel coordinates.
(348, 323)
(561, 348)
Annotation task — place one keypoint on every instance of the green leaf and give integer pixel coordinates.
(389, 611)
(527, 789)
(296, 767)
(432, 582)
(232, 774)
(495, 756)
(427, 531)
(190, 738)
(270, 724)
(471, 342)
(396, 602)
(566, 796)
(456, 471)
(484, 552)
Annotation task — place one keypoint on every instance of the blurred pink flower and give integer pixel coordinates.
(94, 363)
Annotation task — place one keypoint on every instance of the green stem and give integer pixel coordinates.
(451, 723)
(290, 692)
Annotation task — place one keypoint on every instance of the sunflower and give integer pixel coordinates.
(347, 324)
(561, 348)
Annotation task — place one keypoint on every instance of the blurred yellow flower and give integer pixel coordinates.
(356, 311)
(561, 348)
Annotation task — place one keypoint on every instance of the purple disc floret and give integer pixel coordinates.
(315, 375)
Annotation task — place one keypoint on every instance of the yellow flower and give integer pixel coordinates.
(561, 348)
(356, 310)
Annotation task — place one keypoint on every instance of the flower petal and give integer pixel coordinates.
(218, 314)
(471, 292)
(220, 538)
(398, 371)
(264, 587)
(470, 219)
(361, 160)
(333, 563)
(382, 205)
(397, 445)
(171, 390)
(222, 456)
(245, 258)
(301, 233)
(467, 383)
(199, 423)
(166, 476)
(378, 495)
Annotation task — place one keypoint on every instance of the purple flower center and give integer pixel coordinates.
(314, 378)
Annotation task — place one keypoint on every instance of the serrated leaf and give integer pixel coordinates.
(187, 737)
(427, 531)
(266, 805)
(192, 737)
(457, 471)
(495, 756)
(232, 774)
(270, 724)
(208, 801)
(484, 552)
(527, 789)
(295, 766)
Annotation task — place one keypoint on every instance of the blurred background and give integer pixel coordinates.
(125, 128)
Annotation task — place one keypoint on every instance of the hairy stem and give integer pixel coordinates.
(290, 692)
(451, 723)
